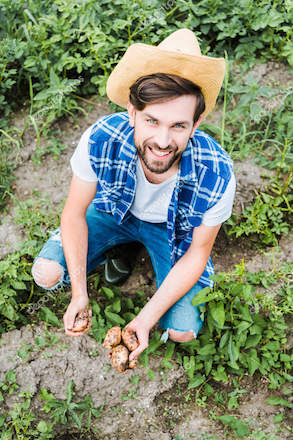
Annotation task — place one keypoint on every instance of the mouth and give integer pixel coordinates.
(160, 155)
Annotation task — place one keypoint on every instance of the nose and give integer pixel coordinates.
(162, 138)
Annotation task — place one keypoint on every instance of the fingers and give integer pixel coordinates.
(134, 354)
(143, 339)
(69, 318)
(142, 336)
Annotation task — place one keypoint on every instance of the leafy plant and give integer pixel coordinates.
(16, 283)
(236, 425)
(20, 423)
(66, 411)
(244, 330)
(111, 309)
(65, 46)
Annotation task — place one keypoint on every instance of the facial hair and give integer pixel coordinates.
(157, 166)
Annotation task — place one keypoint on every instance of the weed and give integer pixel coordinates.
(239, 427)
(243, 332)
(130, 395)
(234, 396)
(22, 424)
(65, 411)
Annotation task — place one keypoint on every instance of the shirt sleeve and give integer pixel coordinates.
(222, 210)
(80, 162)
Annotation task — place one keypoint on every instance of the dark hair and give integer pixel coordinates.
(162, 87)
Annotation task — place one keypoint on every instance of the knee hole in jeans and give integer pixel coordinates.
(181, 336)
(47, 273)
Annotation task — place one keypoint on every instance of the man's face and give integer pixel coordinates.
(162, 131)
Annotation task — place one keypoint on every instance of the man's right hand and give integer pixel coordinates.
(77, 304)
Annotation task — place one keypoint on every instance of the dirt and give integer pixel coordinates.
(156, 408)
(161, 408)
(31, 177)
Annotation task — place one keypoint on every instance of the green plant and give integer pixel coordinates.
(244, 330)
(234, 396)
(16, 283)
(111, 308)
(66, 411)
(20, 423)
(260, 435)
(62, 46)
(10, 144)
(236, 425)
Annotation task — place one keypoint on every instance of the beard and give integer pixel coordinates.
(157, 166)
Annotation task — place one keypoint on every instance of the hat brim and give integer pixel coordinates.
(141, 59)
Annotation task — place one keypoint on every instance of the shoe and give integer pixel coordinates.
(117, 270)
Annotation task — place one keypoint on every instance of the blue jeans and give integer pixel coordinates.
(104, 233)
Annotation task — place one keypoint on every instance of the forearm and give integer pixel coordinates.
(181, 278)
(74, 234)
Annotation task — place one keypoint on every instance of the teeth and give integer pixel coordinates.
(161, 153)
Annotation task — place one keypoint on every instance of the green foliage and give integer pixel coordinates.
(67, 46)
(111, 308)
(16, 283)
(10, 144)
(66, 411)
(245, 331)
(235, 424)
(270, 214)
(21, 423)
(258, 122)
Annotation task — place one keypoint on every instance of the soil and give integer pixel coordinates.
(161, 408)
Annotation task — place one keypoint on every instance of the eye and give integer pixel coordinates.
(179, 125)
(151, 121)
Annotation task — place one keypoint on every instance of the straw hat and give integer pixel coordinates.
(178, 54)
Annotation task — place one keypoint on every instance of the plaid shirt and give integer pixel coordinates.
(204, 172)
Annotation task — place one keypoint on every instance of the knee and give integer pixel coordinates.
(47, 273)
(181, 336)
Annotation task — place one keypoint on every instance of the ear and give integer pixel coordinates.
(196, 124)
(131, 113)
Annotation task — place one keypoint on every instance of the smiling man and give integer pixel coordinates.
(148, 175)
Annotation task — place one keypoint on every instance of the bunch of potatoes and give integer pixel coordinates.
(120, 352)
(120, 342)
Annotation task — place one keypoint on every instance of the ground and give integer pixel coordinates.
(159, 407)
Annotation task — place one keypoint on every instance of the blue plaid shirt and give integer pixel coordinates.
(204, 172)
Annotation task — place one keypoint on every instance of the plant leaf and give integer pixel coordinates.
(218, 312)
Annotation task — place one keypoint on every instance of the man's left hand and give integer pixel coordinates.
(141, 330)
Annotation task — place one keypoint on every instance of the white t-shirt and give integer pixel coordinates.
(151, 200)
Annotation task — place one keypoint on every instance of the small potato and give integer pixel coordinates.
(129, 338)
(81, 322)
(120, 358)
(113, 337)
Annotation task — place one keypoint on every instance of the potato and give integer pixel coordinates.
(81, 322)
(120, 352)
(120, 358)
(130, 340)
(113, 337)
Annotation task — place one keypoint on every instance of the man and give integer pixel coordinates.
(148, 175)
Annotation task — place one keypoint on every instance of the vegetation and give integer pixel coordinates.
(51, 49)
(52, 56)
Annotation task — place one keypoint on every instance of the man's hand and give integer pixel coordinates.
(142, 330)
(77, 304)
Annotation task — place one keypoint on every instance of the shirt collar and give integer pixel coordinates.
(128, 150)
(187, 167)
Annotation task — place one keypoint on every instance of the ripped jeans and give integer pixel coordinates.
(104, 233)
